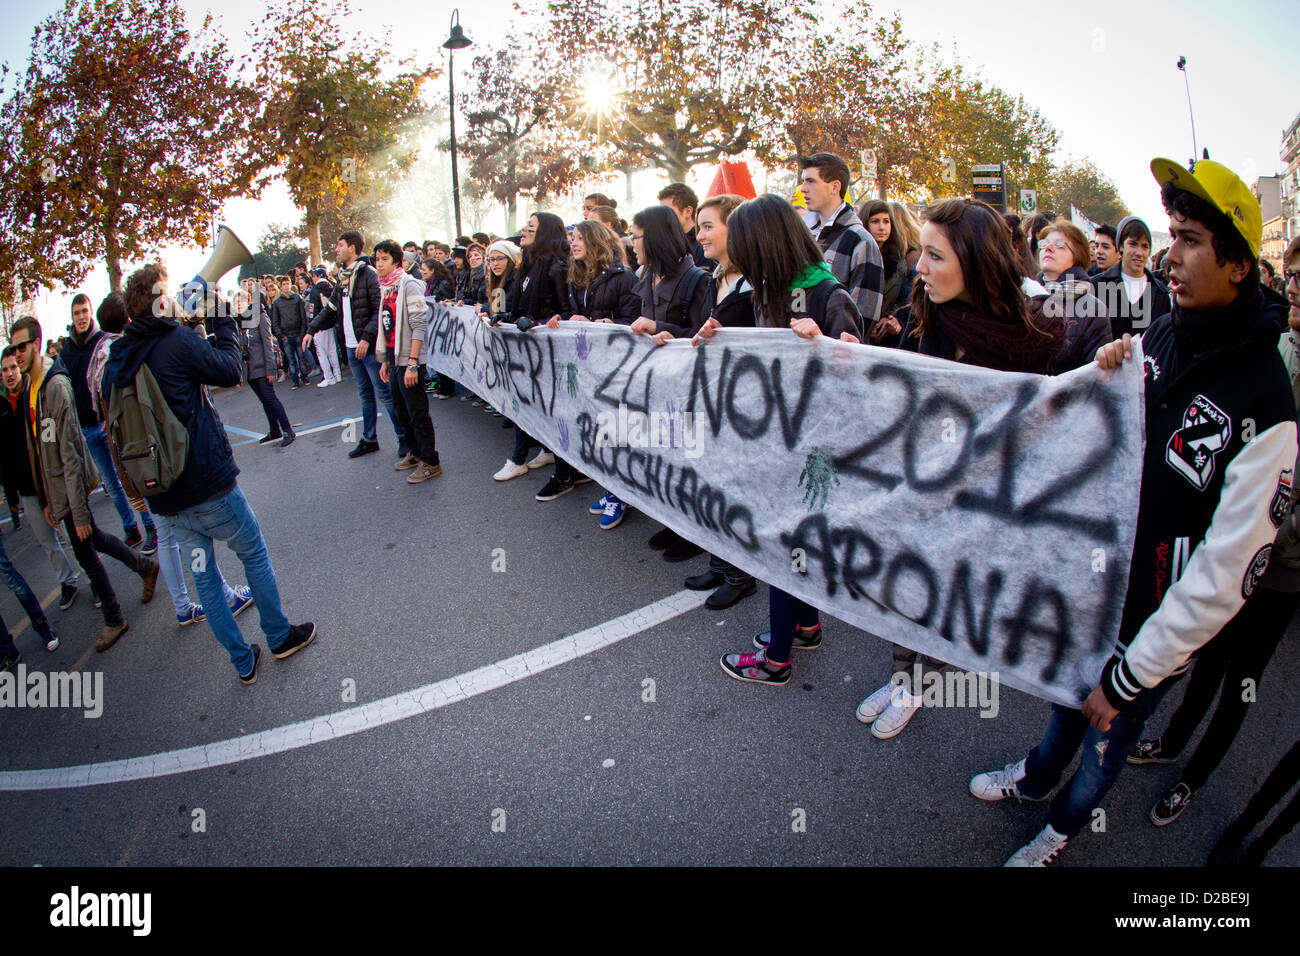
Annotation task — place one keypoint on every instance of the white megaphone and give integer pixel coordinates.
(228, 253)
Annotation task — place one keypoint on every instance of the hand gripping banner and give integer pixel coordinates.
(984, 518)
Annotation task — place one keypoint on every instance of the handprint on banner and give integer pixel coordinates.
(819, 472)
(571, 379)
(582, 345)
(564, 435)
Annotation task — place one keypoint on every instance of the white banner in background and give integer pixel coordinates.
(984, 518)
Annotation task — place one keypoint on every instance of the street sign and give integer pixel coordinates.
(990, 186)
(1029, 200)
(869, 164)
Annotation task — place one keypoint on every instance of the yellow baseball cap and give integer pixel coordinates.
(1221, 188)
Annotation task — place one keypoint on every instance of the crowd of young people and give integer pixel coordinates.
(966, 284)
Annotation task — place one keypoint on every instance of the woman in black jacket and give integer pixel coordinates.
(541, 291)
(674, 296)
(968, 306)
(877, 216)
(601, 289)
(477, 287)
(438, 283)
(544, 269)
(793, 289)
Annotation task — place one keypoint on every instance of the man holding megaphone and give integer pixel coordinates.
(154, 383)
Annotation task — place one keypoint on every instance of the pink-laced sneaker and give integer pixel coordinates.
(755, 668)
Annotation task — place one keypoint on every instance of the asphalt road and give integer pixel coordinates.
(399, 580)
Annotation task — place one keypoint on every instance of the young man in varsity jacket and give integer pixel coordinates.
(1220, 450)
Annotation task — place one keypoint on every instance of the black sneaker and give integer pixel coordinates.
(288, 439)
(133, 538)
(10, 661)
(1171, 805)
(1149, 751)
(269, 437)
(150, 542)
(554, 489)
(364, 448)
(300, 635)
(251, 676)
(67, 595)
(804, 640)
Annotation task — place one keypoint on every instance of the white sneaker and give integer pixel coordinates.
(1000, 784)
(509, 470)
(323, 383)
(902, 708)
(53, 643)
(543, 459)
(876, 704)
(1042, 850)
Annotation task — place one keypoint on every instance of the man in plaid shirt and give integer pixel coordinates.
(853, 256)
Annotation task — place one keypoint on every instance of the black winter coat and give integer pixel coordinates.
(611, 295)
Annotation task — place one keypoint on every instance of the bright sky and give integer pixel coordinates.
(1102, 72)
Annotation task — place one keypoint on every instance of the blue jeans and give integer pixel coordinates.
(22, 590)
(230, 519)
(366, 373)
(97, 442)
(173, 572)
(292, 348)
(1104, 756)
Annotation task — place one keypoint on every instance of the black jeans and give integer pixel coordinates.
(1239, 652)
(88, 553)
(411, 406)
(524, 443)
(276, 418)
(730, 573)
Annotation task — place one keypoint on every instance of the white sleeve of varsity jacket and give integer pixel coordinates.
(1222, 572)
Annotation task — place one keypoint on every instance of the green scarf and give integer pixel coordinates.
(815, 274)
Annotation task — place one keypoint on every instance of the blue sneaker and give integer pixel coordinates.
(613, 515)
(243, 598)
(194, 614)
(598, 508)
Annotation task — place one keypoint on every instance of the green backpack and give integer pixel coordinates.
(152, 444)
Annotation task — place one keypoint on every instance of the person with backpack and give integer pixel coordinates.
(793, 289)
(112, 319)
(155, 386)
(64, 476)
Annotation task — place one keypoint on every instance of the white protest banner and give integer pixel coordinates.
(983, 518)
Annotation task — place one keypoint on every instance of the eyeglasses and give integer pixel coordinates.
(1057, 243)
(496, 258)
(1290, 275)
(22, 345)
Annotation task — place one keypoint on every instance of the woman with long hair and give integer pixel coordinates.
(502, 265)
(793, 289)
(542, 291)
(475, 257)
(259, 372)
(969, 306)
(611, 218)
(732, 306)
(673, 289)
(601, 289)
(438, 283)
(878, 216)
(909, 230)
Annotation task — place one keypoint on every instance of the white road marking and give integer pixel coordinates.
(317, 730)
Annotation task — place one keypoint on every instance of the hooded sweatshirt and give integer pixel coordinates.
(183, 363)
(75, 356)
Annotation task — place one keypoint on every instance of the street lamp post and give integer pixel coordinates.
(457, 41)
(1182, 65)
